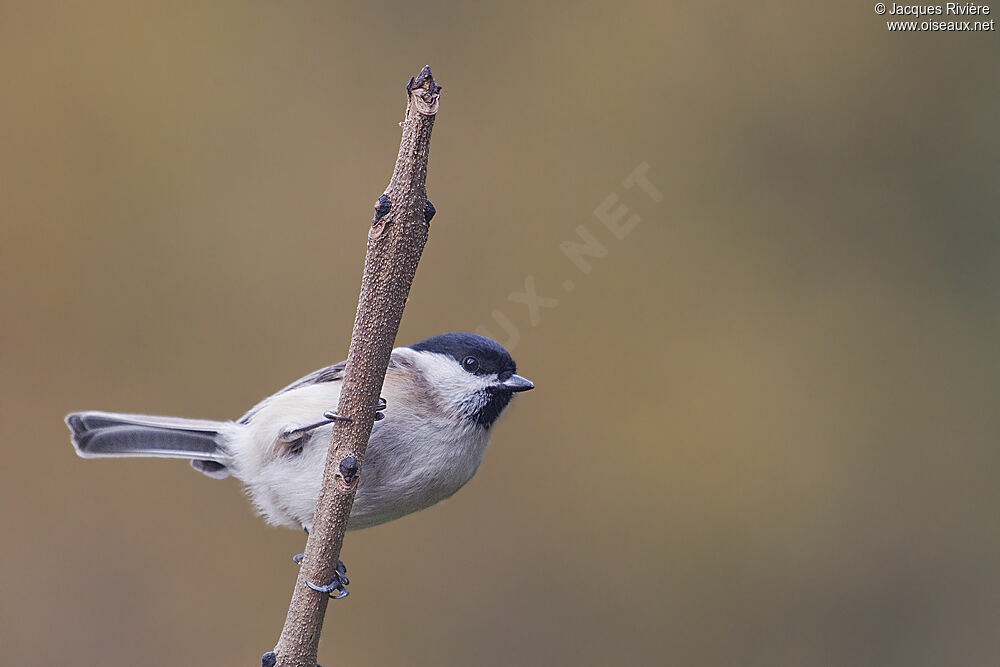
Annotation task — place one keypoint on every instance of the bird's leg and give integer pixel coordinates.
(293, 434)
(340, 580)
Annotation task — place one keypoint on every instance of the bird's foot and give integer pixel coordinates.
(338, 585)
(330, 416)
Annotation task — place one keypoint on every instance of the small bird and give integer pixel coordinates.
(441, 398)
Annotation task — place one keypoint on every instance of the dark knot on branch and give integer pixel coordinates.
(349, 469)
(382, 206)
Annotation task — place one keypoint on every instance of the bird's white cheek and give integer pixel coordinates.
(462, 392)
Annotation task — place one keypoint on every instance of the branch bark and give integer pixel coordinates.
(395, 243)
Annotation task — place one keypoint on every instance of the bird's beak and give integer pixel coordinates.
(518, 383)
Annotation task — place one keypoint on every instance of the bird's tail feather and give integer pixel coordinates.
(110, 434)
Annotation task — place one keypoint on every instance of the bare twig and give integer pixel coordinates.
(395, 243)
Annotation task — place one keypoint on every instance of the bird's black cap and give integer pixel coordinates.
(491, 355)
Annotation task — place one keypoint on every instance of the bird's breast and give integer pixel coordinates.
(413, 463)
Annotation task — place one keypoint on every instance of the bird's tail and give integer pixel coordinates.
(111, 434)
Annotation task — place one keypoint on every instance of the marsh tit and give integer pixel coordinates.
(442, 397)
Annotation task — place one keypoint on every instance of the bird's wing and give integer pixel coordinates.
(334, 373)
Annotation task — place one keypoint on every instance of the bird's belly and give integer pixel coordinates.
(378, 503)
(414, 475)
(402, 473)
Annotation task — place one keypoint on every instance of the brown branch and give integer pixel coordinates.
(395, 243)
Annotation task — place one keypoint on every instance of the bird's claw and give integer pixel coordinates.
(331, 415)
(338, 585)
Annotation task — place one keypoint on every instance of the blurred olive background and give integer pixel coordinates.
(765, 425)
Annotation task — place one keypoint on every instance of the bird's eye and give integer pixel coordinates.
(470, 364)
